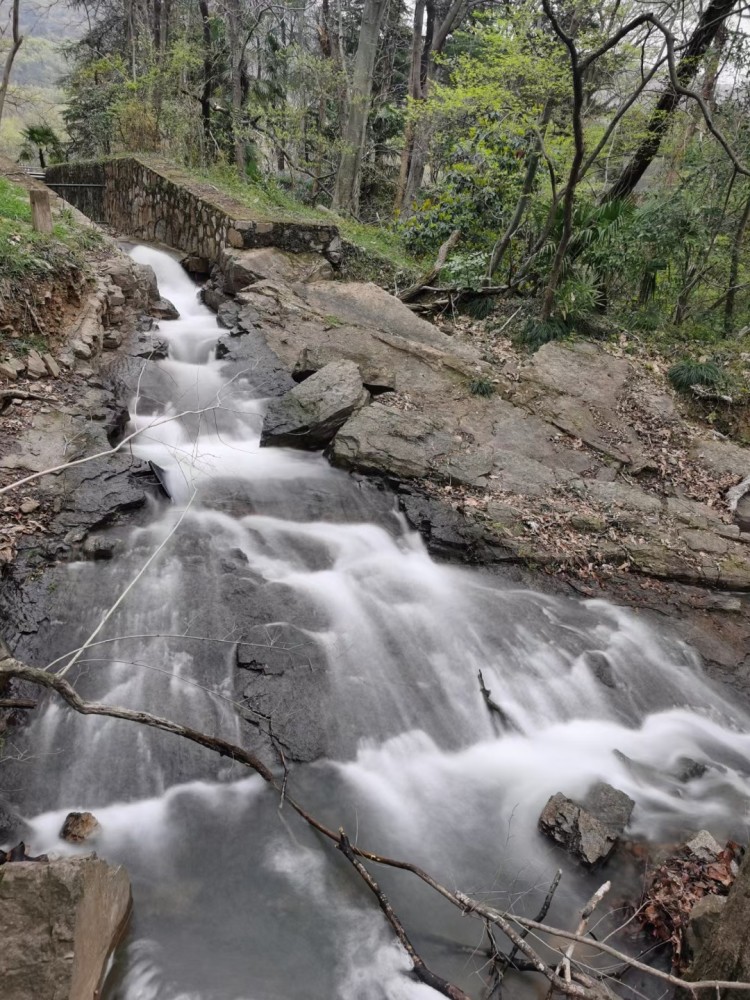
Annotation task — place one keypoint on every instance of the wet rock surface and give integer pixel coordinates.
(12, 825)
(575, 463)
(590, 831)
(79, 826)
(310, 414)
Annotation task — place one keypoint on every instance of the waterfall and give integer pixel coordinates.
(365, 654)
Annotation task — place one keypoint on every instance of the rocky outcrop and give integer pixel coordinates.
(59, 922)
(241, 268)
(589, 831)
(592, 458)
(310, 414)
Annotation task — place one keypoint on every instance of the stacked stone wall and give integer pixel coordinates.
(157, 203)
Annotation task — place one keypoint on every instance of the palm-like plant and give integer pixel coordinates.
(45, 140)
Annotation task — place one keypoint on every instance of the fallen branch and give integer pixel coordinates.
(24, 703)
(7, 396)
(421, 971)
(413, 290)
(492, 705)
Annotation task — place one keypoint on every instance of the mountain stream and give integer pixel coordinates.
(364, 653)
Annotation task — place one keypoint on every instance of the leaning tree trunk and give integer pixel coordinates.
(712, 19)
(501, 246)
(16, 39)
(346, 191)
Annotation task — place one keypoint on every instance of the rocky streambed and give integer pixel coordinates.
(342, 643)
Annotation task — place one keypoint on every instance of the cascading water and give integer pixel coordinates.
(378, 650)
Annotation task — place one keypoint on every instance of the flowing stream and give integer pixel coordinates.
(364, 653)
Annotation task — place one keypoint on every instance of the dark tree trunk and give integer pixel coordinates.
(734, 268)
(708, 26)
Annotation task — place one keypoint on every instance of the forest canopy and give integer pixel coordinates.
(589, 157)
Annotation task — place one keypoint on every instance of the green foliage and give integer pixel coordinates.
(688, 372)
(535, 333)
(579, 294)
(482, 387)
(479, 182)
(26, 255)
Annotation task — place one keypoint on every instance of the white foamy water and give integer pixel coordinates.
(378, 649)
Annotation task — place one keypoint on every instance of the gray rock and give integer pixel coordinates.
(310, 414)
(722, 944)
(609, 806)
(687, 769)
(164, 309)
(245, 267)
(59, 922)
(51, 365)
(35, 366)
(590, 838)
(81, 349)
(704, 846)
(704, 918)
(12, 827)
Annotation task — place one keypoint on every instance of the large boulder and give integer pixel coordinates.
(244, 267)
(59, 923)
(719, 936)
(589, 831)
(310, 414)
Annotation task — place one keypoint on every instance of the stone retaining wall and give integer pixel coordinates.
(156, 202)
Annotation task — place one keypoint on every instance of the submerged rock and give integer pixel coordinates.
(589, 832)
(310, 414)
(59, 923)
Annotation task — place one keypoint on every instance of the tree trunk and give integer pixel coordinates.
(236, 59)
(535, 153)
(415, 93)
(16, 39)
(346, 191)
(713, 17)
(208, 72)
(434, 45)
(734, 268)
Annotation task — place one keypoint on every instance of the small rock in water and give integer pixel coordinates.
(589, 832)
(79, 827)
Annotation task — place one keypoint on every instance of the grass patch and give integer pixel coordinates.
(27, 254)
(266, 200)
(482, 387)
(686, 373)
(32, 264)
